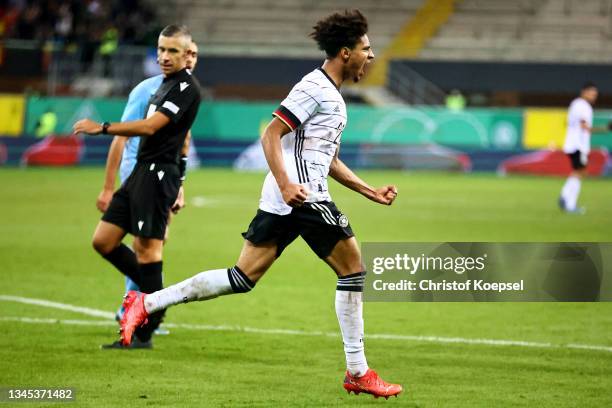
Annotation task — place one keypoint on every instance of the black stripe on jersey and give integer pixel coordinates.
(327, 140)
(298, 105)
(320, 124)
(306, 170)
(320, 151)
(331, 114)
(305, 174)
(310, 96)
(319, 85)
(295, 153)
(300, 164)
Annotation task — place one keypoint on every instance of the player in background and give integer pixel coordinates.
(577, 145)
(142, 204)
(301, 145)
(123, 151)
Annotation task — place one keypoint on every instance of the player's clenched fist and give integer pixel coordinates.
(87, 126)
(386, 195)
(294, 194)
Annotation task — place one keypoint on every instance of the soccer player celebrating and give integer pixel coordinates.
(578, 145)
(122, 154)
(142, 204)
(301, 145)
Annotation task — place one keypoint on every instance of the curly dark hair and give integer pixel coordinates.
(339, 30)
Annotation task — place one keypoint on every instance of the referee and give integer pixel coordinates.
(142, 204)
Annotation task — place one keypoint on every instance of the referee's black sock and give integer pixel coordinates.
(151, 277)
(124, 259)
(151, 281)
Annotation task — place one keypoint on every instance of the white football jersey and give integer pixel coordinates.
(315, 112)
(576, 138)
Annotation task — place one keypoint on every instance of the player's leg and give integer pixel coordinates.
(255, 259)
(149, 252)
(253, 262)
(345, 260)
(267, 236)
(107, 242)
(265, 240)
(131, 285)
(327, 231)
(570, 192)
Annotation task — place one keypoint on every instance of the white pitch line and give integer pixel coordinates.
(56, 305)
(285, 332)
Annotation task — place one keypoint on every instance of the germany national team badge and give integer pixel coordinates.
(343, 221)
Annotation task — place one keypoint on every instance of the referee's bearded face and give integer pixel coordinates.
(172, 53)
(360, 56)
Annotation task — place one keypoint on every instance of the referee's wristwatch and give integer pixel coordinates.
(105, 127)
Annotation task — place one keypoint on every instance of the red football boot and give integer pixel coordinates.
(134, 315)
(370, 383)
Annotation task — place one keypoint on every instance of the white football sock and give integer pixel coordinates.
(203, 286)
(565, 191)
(571, 191)
(349, 309)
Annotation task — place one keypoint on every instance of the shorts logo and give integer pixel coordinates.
(140, 224)
(160, 174)
(343, 221)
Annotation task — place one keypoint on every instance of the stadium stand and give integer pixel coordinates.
(68, 22)
(251, 27)
(528, 30)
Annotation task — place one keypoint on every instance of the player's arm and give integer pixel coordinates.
(293, 194)
(113, 160)
(600, 129)
(142, 127)
(345, 176)
(179, 203)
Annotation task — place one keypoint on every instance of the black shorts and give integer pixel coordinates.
(321, 225)
(578, 159)
(142, 204)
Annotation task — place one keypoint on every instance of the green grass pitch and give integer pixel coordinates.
(47, 219)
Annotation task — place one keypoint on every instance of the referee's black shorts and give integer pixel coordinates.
(142, 204)
(321, 225)
(578, 159)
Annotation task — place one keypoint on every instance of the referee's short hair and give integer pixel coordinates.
(174, 30)
(588, 85)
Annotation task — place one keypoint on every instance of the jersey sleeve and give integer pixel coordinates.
(301, 103)
(136, 105)
(178, 100)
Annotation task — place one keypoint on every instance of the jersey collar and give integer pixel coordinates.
(328, 77)
(177, 74)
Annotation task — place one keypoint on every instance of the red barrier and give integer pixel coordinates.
(54, 151)
(552, 162)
